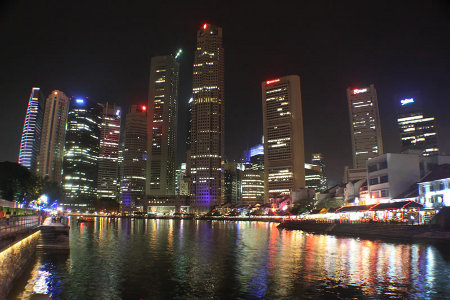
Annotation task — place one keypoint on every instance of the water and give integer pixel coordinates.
(166, 259)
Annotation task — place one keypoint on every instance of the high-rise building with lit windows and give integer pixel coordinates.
(53, 135)
(31, 134)
(80, 164)
(417, 130)
(208, 109)
(108, 159)
(134, 164)
(284, 155)
(252, 185)
(364, 124)
(318, 160)
(162, 125)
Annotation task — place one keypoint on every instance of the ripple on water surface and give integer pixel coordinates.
(132, 259)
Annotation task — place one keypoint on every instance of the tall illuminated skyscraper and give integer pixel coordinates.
(108, 160)
(132, 184)
(207, 131)
(31, 134)
(417, 130)
(80, 164)
(162, 125)
(364, 124)
(284, 154)
(51, 153)
(318, 160)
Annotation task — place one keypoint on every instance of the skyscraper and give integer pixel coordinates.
(80, 164)
(208, 108)
(53, 135)
(162, 125)
(318, 160)
(417, 130)
(108, 160)
(284, 155)
(252, 186)
(31, 134)
(364, 124)
(232, 183)
(132, 184)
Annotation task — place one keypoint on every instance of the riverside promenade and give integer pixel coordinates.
(18, 227)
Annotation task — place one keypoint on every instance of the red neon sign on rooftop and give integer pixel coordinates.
(273, 81)
(205, 25)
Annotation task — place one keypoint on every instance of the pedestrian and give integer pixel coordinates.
(8, 216)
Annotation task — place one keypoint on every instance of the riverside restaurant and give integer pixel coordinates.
(400, 212)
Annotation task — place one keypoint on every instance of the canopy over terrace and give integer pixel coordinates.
(381, 206)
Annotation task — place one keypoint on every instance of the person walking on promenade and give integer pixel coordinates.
(8, 216)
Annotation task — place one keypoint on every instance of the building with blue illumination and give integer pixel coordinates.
(80, 165)
(31, 135)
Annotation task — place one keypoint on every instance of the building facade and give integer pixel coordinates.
(181, 182)
(108, 160)
(162, 125)
(252, 186)
(418, 131)
(284, 156)
(208, 120)
(232, 183)
(434, 189)
(364, 125)
(80, 164)
(389, 175)
(319, 160)
(313, 177)
(31, 134)
(132, 185)
(53, 136)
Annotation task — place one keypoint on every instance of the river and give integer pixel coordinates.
(187, 259)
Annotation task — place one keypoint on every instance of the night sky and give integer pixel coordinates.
(102, 50)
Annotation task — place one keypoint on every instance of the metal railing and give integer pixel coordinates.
(17, 223)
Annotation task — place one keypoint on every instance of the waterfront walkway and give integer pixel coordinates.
(15, 224)
(17, 227)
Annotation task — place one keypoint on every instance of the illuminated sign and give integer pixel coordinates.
(407, 101)
(273, 81)
(79, 101)
(359, 91)
(118, 112)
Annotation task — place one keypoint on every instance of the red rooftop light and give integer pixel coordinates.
(144, 108)
(205, 25)
(273, 81)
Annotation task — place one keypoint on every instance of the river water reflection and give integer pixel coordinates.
(165, 259)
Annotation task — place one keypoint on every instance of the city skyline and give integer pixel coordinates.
(405, 62)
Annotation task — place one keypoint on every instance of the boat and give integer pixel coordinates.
(85, 219)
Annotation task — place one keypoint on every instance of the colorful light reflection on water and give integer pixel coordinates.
(130, 259)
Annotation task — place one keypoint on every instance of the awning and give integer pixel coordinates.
(355, 208)
(381, 206)
(397, 205)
